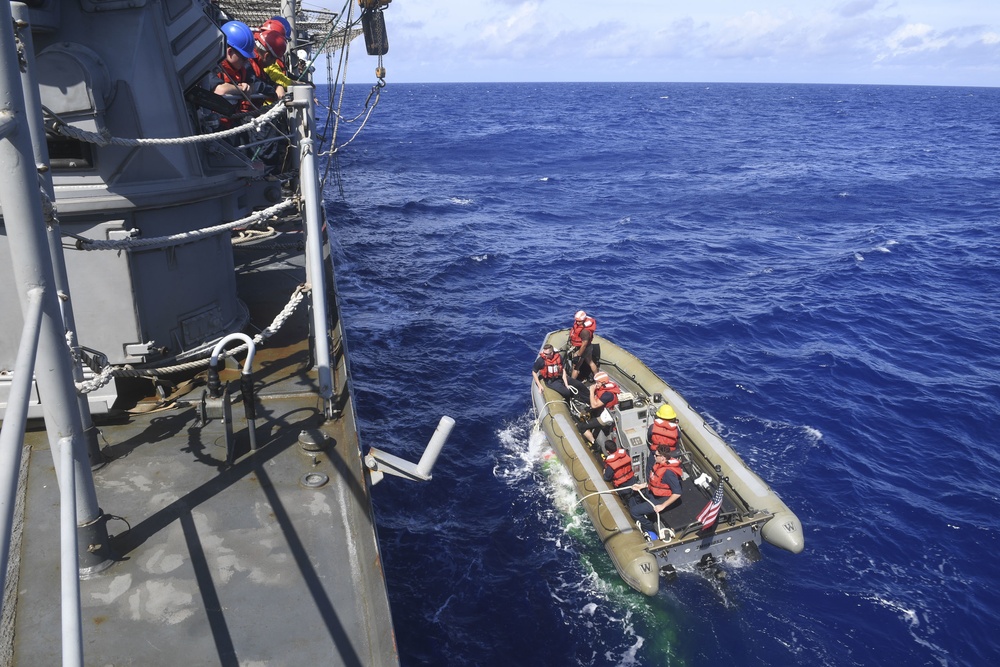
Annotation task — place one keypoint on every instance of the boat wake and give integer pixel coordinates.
(584, 585)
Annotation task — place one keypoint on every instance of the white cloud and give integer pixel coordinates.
(856, 8)
(766, 40)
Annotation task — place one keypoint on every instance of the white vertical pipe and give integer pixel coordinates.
(309, 180)
(40, 150)
(430, 455)
(12, 433)
(32, 267)
(72, 630)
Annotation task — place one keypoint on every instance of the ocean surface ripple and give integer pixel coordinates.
(816, 269)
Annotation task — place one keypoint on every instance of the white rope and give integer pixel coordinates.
(598, 493)
(354, 136)
(183, 237)
(111, 372)
(104, 138)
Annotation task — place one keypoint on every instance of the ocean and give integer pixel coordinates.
(814, 267)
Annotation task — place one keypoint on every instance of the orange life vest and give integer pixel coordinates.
(621, 463)
(590, 324)
(603, 387)
(551, 367)
(657, 486)
(664, 433)
(230, 74)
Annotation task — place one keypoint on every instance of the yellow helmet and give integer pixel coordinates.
(666, 412)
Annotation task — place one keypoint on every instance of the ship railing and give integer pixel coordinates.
(303, 120)
(14, 423)
(104, 138)
(43, 355)
(11, 450)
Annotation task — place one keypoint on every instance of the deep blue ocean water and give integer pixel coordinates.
(816, 268)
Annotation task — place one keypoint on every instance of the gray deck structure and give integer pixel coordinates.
(217, 564)
(198, 544)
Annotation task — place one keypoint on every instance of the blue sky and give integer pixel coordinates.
(933, 42)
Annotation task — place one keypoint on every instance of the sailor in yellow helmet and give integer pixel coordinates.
(664, 430)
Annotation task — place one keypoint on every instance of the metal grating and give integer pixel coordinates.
(318, 23)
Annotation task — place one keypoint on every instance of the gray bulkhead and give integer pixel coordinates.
(124, 68)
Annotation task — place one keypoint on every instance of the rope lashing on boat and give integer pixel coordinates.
(104, 138)
(659, 521)
(112, 372)
(183, 237)
(597, 493)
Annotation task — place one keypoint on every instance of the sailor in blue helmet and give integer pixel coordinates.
(236, 76)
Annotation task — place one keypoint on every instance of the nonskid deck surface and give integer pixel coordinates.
(227, 565)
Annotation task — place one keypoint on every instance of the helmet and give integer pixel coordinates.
(273, 42)
(601, 376)
(666, 412)
(272, 24)
(284, 24)
(580, 315)
(239, 37)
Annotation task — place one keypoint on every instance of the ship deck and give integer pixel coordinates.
(216, 563)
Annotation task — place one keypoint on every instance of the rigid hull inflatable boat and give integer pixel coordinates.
(750, 512)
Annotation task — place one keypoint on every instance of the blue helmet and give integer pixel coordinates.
(239, 36)
(284, 23)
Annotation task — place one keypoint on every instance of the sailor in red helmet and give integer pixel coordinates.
(278, 71)
(662, 491)
(269, 49)
(603, 397)
(581, 336)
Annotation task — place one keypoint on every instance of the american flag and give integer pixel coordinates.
(711, 512)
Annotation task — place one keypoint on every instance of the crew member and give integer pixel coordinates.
(278, 70)
(603, 397)
(269, 49)
(618, 468)
(663, 490)
(550, 372)
(664, 430)
(236, 77)
(581, 337)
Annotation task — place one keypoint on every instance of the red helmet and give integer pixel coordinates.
(273, 42)
(274, 25)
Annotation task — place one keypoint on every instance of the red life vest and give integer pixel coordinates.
(258, 66)
(551, 367)
(621, 463)
(603, 387)
(229, 74)
(657, 486)
(590, 324)
(664, 433)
